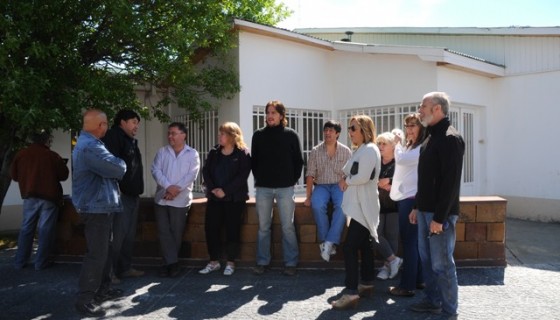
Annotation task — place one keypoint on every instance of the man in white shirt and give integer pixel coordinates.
(174, 169)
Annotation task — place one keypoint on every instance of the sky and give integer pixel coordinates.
(421, 13)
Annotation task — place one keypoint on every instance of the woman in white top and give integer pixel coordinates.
(360, 204)
(403, 192)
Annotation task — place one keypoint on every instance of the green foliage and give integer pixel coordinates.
(59, 57)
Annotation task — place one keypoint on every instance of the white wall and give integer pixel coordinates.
(525, 157)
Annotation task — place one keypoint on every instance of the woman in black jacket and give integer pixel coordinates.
(225, 174)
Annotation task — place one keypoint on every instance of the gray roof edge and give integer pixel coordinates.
(512, 30)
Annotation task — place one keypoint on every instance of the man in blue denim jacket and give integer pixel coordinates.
(95, 195)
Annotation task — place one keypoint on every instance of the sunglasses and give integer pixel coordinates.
(353, 128)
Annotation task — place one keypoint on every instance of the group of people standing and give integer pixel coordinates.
(388, 186)
(381, 187)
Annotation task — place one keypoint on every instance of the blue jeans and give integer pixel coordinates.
(124, 234)
(41, 214)
(286, 206)
(322, 194)
(438, 265)
(411, 274)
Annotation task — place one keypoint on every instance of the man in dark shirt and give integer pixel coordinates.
(38, 170)
(437, 203)
(276, 162)
(120, 141)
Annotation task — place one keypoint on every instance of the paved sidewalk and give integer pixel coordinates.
(527, 289)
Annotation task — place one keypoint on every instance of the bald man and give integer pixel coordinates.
(95, 195)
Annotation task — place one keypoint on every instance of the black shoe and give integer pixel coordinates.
(90, 309)
(259, 269)
(425, 306)
(110, 294)
(289, 271)
(174, 270)
(164, 271)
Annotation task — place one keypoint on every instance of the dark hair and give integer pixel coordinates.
(125, 114)
(42, 137)
(333, 124)
(178, 125)
(279, 107)
(414, 118)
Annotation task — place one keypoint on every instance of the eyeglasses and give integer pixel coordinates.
(410, 125)
(353, 128)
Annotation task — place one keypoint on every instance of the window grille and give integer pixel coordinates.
(309, 126)
(202, 136)
(387, 118)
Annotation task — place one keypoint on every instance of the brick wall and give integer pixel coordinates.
(480, 235)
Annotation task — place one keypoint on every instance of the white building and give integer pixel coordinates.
(504, 85)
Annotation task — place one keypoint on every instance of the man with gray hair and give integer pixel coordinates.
(437, 205)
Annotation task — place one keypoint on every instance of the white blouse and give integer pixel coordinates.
(405, 179)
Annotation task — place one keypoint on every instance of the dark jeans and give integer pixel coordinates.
(171, 226)
(124, 233)
(388, 234)
(225, 214)
(411, 273)
(94, 276)
(357, 240)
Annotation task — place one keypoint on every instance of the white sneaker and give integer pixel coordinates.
(326, 250)
(209, 268)
(394, 267)
(383, 273)
(333, 250)
(229, 270)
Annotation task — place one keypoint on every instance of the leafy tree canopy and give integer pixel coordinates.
(59, 57)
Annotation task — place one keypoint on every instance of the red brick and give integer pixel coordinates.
(309, 252)
(199, 250)
(251, 216)
(307, 233)
(149, 231)
(491, 251)
(196, 216)
(249, 233)
(491, 212)
(467, 212)
(460, 231)
(194, 232)
(475, 231)
(496, 232)
(304, 215)
(277, 253)
(248, 252)
(465, 250)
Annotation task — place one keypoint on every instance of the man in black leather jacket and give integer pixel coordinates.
(120, 141)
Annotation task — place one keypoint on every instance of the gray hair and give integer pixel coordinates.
(440, 98)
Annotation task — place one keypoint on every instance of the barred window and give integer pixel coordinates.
(307, 123)
(202, 136)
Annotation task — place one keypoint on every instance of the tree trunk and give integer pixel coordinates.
(6, 156)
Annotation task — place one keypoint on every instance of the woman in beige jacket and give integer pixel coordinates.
(361, 206)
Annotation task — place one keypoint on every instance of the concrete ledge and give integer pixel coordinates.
(480, 235)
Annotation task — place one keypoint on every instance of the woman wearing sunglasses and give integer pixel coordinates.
(361, 205)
